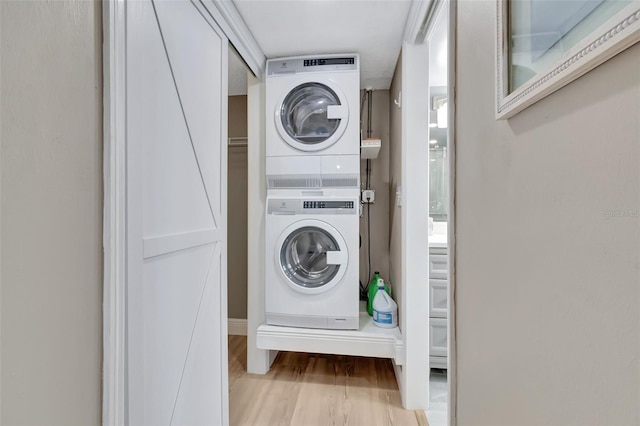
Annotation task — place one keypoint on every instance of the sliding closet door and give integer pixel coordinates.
(176, 101)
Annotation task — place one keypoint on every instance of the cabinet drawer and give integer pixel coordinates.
(438, 266)
(438, 293)
(437, 337)
(438, 362)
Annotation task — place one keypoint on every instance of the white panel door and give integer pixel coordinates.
(176, 77)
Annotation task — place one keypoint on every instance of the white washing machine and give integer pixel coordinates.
(313, 120)
(311, 263)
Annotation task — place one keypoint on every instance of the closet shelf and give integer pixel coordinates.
(368, 340)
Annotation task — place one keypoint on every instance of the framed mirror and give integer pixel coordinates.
(542, 45)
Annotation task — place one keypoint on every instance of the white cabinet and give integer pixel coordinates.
(438, 337)
(438, 292)
(438, 306)
(438, 263)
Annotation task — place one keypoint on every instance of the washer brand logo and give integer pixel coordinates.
(284, 65)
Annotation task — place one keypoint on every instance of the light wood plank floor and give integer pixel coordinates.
(314, 389)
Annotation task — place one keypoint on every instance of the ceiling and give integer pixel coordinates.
(371, 28)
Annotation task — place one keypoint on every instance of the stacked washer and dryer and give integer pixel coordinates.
(313, 191)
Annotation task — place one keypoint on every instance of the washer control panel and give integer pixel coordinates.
(305, 206)
(327, 204)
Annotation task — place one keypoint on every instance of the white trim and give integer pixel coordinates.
(611, 38)
(452, 365)
(415, 205)
(233, 26)
(224, 159)
(0, 237)
(237, 327)
(432, 15)
(416, 24)
(258, 360)
(114, 238)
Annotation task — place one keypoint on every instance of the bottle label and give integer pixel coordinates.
(382, 317)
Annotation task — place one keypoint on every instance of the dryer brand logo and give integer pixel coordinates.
(283, 65)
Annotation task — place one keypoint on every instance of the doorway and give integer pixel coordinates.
(437, 38)
(237, 176)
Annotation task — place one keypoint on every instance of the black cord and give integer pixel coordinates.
(368, 181)
(364, 95)
(366, 185)
(369, 241)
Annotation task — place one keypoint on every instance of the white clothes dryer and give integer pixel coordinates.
(313, 111)
(313, 105)
(312, 261)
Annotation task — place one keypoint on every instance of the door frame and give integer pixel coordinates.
(226, 16)
(418, 31)
(452, 367)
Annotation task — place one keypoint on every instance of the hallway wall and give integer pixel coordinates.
(548, 325)
(51, 225)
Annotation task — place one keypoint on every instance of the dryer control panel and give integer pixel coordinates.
(328, 61)
(304, 64)
(311, 206)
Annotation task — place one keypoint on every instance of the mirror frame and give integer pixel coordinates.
(615, 35)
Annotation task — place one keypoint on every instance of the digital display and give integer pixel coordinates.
(329, 61)
(327, 204)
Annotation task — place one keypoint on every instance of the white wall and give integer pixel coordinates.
(548, 325)
(51, 246)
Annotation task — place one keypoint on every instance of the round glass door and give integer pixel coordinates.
(303, 257)
(303, 114)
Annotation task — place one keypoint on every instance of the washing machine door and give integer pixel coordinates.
(312, 116)
(312, 256)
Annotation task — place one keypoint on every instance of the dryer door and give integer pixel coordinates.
(312, 116)
(312, 256)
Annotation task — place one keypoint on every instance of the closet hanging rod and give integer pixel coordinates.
(237, 142)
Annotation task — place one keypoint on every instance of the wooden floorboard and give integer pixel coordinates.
(315, 390)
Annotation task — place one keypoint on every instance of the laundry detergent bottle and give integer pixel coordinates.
(373, 289)
(385, 310)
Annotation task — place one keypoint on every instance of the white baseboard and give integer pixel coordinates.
(237, 327)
